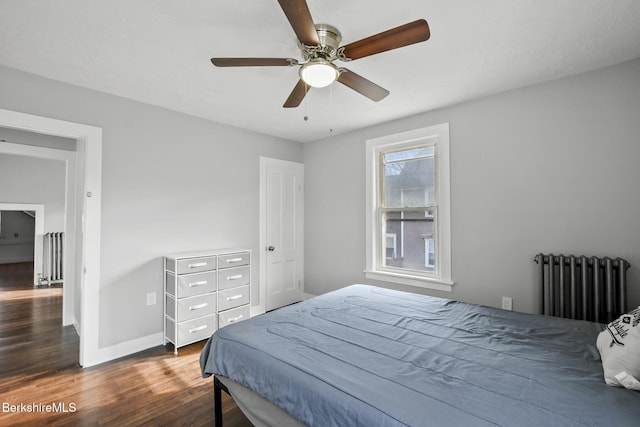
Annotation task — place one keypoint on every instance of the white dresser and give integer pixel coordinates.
(204, 291)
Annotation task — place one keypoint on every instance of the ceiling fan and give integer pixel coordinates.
(320, 46)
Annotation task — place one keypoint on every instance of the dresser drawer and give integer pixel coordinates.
(234, 297)
(195, 265)
(189, 285)
(234, 315)
(233, 260)
(192, 307)
(191, 331)
(234, 277)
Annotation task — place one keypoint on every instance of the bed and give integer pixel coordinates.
(369, 356)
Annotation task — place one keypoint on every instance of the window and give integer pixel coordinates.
(408, 231)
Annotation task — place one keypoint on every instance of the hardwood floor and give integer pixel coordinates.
(39, 367)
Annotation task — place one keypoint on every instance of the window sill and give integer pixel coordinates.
(409, 280)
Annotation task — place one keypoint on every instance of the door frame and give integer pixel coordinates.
(265, 162)
(87, 195)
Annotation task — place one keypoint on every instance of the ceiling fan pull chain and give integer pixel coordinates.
(304, 102)
(330, 108)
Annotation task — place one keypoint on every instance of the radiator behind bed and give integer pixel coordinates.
(580, 287)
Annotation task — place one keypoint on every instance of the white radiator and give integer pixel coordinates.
(52, 259)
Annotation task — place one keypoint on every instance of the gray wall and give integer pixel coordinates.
(31, 180)
(171, 182)
(547, 168)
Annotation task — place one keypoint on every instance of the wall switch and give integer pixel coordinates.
(151, 298)
(507, 303)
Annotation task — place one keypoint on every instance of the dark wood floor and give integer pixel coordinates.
(39, 367)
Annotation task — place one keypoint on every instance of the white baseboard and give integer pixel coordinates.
(71, 320)
(257, 310)
(127, 348)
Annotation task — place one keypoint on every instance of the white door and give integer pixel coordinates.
(283, 231)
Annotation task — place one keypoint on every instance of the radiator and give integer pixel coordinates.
(52, 259)
(580, 287)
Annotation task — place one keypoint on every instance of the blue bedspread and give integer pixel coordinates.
(368, 356)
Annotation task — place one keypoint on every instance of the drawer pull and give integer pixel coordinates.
(199, 328)
(200, 283)
(234, 297)
(230, 260)
(235, 319)
(198, 307)
(198, 264)
(236, 277)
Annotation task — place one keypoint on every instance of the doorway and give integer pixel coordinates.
(46, 176)
(83, 201)
(17, 242)
(23, 248)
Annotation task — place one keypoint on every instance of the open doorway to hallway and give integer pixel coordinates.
(33, 204)
(83, 204)
(17, 237)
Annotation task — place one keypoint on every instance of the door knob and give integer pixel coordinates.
(271, 248)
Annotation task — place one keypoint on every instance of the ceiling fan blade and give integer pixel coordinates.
(254, 62)
(404, 35)
(297, 95)
(299, 17)
(362, 85)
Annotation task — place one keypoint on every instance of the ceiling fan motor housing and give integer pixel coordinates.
(330, 39)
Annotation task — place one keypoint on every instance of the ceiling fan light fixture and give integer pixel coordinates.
(319, 73)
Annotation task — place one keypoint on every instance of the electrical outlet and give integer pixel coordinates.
(151, 298)
(507, 303)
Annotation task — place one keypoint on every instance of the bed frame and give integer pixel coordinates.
(218, 388)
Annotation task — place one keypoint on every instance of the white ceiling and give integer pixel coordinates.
(158, 51)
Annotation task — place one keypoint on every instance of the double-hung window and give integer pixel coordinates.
(408, 218)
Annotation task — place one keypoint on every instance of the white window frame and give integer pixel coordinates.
(438, 135)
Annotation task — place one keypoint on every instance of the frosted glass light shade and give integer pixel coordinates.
(319, 74)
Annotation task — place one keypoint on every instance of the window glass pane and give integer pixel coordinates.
(410, 239)
(409, 183)
(430, 252)
(408, 154)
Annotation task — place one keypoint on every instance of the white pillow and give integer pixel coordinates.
(619, 346)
